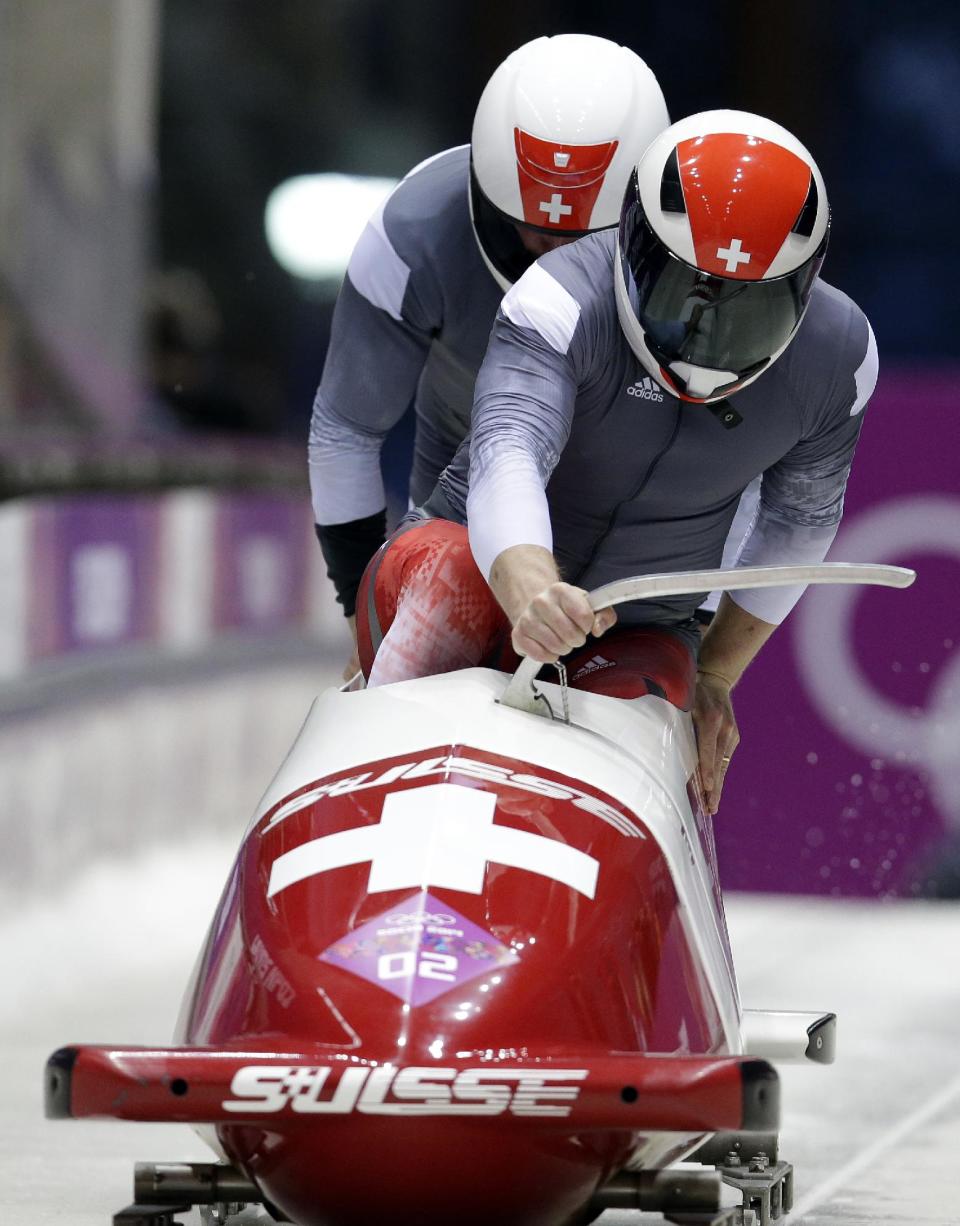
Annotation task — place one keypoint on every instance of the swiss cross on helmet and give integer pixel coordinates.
(559, 127)
(723, 230)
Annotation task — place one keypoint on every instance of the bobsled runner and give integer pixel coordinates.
(471, 965)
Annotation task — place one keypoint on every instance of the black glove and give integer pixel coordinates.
(347, 548)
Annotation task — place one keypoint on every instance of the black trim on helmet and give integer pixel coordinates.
(497, 235)
(808, 214)
(671, 188)
(687, 315)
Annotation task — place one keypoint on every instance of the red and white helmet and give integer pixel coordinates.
(723, 231)
(559, 127)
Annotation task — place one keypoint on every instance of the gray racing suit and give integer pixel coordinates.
(410, 326)
(574, 447)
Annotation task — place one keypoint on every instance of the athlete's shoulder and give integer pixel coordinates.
(416, 241)
(585, 269)
(833, 359)
(429, 208)
(835, 325)
(568, 292)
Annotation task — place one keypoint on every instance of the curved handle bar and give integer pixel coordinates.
(520, 693)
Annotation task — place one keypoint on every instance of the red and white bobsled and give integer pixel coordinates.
(471, 964)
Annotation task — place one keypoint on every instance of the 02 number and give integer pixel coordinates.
(427, 966)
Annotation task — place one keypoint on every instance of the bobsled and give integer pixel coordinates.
(471, 964)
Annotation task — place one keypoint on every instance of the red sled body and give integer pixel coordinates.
(469, 961)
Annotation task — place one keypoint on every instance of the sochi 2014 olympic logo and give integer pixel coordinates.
(824, 640)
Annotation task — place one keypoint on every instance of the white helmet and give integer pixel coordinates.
(724, 227)
(558, 129)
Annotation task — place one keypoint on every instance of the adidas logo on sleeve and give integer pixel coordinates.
(646, 389)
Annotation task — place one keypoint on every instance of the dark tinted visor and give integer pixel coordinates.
(498, 235)
(717, 322)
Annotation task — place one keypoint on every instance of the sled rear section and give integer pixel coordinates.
(478, 965)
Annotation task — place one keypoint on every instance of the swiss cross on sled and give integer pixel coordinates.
(441, 834)
(429, 835)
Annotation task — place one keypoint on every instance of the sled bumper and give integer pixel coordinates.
(198, 1085)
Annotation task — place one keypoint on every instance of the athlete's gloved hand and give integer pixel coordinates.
(717, 734)
(557, 620)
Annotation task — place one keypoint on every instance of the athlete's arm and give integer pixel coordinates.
(801, 503)
(801, 496)
(382, 330)
(730, 642)
(523, 408)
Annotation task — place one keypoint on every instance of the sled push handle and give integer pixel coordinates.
(521, 693)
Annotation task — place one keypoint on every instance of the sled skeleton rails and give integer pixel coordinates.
(471, 965)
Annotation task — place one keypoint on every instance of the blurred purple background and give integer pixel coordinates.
(847, 780)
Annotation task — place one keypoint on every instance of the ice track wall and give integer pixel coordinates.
(87, 575)
(155, 765)
(157, 656)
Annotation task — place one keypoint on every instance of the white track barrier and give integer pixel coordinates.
(156, 765)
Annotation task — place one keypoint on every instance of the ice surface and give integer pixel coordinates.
(874, 1137)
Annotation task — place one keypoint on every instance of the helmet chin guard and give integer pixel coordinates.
(698, 384)
(559, 126)
(723, 230)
